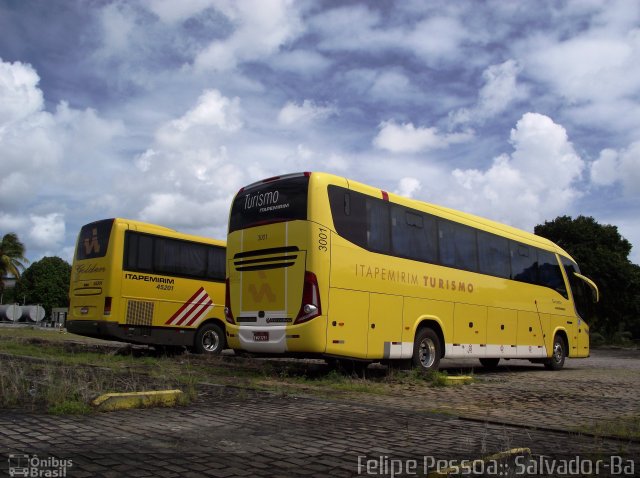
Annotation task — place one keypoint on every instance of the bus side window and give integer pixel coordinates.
(216, 263)
(493, 254)
(413, 235)
(458, 245)
(549, 274)
(348, 211)
(179, 257)
(377, 225)
(138, 252)
(524, 263)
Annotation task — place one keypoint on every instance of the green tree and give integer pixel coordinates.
(603, 255)
(12, 260)
(45, 282)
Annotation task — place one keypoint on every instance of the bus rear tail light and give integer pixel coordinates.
(228, 314)
(107, 306)
(310, 306)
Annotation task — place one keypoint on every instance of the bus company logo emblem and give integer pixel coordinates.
(192, 310)
(91, 245)
(265, 290)
(261, 199)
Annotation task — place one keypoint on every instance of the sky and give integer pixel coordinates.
(160, 110)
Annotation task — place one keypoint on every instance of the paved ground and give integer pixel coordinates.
(231, 432)
(605, 386)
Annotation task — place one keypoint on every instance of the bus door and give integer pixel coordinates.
(585, 295)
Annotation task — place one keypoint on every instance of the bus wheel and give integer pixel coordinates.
(209, 340)
(489, 362)
(426, 350)
(559, 354)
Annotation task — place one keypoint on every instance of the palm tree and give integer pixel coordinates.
(12, 260)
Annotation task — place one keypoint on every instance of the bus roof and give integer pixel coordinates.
(142, 226)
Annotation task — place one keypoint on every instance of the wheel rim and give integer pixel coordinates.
(427, 354)
(558, 353)
(210, 341)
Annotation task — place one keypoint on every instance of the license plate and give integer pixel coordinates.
(261, 336)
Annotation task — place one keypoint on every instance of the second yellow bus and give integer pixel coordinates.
(146, 284)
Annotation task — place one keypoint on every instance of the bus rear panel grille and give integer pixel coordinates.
(139, 313)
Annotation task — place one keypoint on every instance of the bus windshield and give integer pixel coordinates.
(270, 201)
(94, 240)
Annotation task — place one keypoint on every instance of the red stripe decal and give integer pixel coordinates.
(194, 309)
(187, 304)
(205, 308)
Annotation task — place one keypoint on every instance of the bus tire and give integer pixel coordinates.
(209, 340)
(426, 350)
(489, 363)
(556, 361)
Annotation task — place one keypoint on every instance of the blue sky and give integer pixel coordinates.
(161, 110)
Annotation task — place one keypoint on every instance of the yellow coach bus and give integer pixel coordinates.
(147, 284)
(319, 265)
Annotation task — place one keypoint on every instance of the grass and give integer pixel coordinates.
(623, 427)
(66, 372)
(62, 375)
(65, 389)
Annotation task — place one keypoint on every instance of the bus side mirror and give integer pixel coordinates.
(592, 285)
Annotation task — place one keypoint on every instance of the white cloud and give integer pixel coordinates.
(171, 11)
(499, 91)
(186, 177)
(408, 187)
(605, 170)
(262, 28)
(593, 69)
(47, 159)
(19, 94)
(623, 167)
(213, 112)
(308, 63)
(47, 232)
(293, 114)
(543, 151)
(537, 181)
(406, 138)
(594, 66)
(118, 23)
(178, 209)
(437, 38)
(348, 28)
(433, 39)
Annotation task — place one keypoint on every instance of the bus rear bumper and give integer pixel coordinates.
(102, 329)
(99, 329)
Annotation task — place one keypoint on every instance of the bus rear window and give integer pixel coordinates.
(93, 240)
(276, 201)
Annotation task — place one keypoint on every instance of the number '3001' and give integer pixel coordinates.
(323, 240)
